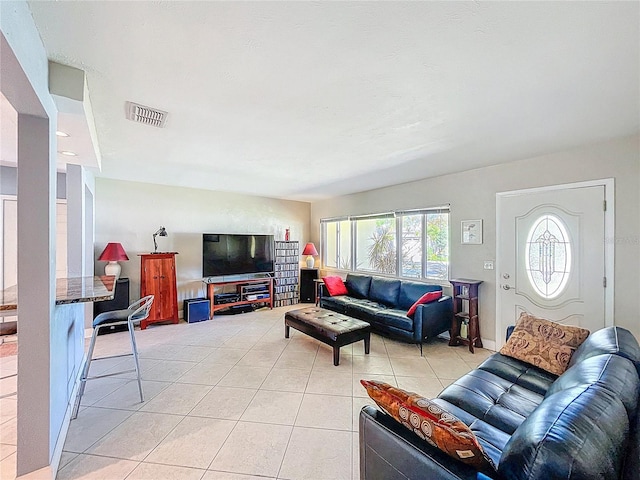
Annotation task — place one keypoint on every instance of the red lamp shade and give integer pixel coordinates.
(310, 249)
(113, 252)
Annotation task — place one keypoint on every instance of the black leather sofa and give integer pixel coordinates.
(583, 424)
(384, 302)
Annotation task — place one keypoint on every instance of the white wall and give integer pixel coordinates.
(44, 359)
(472, 196)
(130, 212)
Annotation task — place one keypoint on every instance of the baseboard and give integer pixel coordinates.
(489, 344)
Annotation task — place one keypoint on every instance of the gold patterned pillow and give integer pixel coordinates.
(543, 343)
(431, 423)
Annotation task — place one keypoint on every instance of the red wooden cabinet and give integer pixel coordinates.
(158, 278)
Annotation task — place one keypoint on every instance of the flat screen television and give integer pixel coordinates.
(232, 254)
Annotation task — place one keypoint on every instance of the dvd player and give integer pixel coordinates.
(221, 298)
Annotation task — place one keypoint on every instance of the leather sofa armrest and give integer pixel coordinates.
(431, 319)
(389, 450)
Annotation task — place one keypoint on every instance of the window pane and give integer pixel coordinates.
(331, 247)
(344, 245)
(438, 246)
(411, 261)
(376, 245)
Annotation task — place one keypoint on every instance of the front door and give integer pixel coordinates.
(551, 256)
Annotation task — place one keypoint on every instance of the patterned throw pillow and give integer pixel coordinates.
(426, 298)
(335, 286)
(427, 420)
(543, 343)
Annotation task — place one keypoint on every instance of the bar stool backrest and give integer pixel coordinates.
(140, 309)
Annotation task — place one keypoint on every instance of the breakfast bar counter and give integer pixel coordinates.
(68, 290)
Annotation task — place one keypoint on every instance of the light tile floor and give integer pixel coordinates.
(231, 399)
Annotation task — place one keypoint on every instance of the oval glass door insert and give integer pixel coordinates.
(548, 256)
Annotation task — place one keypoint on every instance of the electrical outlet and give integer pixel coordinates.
(488, 264)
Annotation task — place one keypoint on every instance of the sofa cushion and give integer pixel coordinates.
(338, 304)
(366, 306)
(520, 373)
(492, 399)
(426, 298)
(395, 318)
(431, 423)
(412, 291)
(384, 290)
(545, 344)
(492, 439)
(335, 286)
(358, 285)
(577, 433)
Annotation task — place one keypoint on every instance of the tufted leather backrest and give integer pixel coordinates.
(610, 372)
(575, 433)
(587, 425)
(384, 290)
(358, 285)
(614, 340)
(412, 291)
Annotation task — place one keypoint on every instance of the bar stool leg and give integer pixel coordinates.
(85, 374)
(134, 350)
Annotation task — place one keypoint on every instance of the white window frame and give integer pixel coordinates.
(398, 232)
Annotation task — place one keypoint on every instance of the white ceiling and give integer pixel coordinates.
(305, 100)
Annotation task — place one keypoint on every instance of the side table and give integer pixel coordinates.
(319, 283)
(465, 313)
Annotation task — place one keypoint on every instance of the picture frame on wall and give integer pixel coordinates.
(471, 232)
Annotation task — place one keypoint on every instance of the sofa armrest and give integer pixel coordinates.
(431, 319)
(389, 450)
(324, 291)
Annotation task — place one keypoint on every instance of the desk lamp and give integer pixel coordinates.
(161, 232)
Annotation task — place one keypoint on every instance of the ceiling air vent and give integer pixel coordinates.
(147, 115)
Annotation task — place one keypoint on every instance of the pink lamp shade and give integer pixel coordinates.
(310, 250)
(113, 253)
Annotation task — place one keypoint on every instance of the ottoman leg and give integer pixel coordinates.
(367, 343)
(336, 356)
(286, 331)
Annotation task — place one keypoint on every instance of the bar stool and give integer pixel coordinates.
(131, 316)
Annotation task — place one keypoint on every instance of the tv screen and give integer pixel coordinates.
(231, 254)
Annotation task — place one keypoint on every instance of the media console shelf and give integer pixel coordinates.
(243, 291)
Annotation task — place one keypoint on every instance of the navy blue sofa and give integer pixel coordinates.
(384, 302)
(581, 425)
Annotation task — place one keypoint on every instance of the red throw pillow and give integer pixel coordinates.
(426, 298)
(431, 423)
(335, 285)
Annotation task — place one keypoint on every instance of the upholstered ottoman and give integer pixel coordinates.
(329, 327)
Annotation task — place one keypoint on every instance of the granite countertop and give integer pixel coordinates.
(68, 290)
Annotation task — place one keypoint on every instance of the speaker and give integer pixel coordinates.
(307, 285)
(196, 310)
(120, 299)
(120, 302)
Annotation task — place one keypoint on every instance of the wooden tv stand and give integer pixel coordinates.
(214, 307)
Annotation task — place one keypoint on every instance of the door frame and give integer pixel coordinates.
(609, 242)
